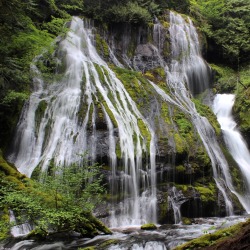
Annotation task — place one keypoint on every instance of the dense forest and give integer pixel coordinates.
(32, 29)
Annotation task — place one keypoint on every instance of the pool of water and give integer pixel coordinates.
(165, 237)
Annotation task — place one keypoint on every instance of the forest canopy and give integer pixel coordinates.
(28, 26)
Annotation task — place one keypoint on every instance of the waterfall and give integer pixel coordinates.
(62, 130)
(175, 199)
(87, 110)
(19, 230)
(187, 72)
(187, 65)
(222, 106)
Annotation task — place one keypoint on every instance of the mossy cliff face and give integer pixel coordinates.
(137, 55)
(181, 160)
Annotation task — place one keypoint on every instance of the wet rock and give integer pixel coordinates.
(149, 226)
(146, 57)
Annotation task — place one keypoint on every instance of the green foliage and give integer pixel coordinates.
(225, 78)
(27, 28)
(241, 107)
(14, 98)
(180, 5)
(63, 201)
(132, 12)
(55, 26)
(228, 24)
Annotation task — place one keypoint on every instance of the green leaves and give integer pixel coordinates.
(131, 13)
(62, 201)
(228, 24)
(13, 98)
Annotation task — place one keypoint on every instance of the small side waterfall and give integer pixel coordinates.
(222, 106)
(175, 199)
(19, 230)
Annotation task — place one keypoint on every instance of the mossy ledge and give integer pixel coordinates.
(13, 181)
(236, 236)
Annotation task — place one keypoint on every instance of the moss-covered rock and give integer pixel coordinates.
(29, 198)
(236, 236)
(149, 226)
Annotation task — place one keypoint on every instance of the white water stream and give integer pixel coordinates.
(222, 106)
(19, 230)
(186, 69)
(165, 237)
(62, 134)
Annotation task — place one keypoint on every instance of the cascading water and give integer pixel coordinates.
(222, 106)
(60, 121)
(19, 230)
(61, 131)
(187, 70)
(187, 65)
(175, 199)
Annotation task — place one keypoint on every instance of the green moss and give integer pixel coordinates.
(101, 46)
(136, 85)
(118, 151)
(186, 221)
(208, 193)
(108, 243)
(180, 169)
(149, 75)
(180, 144)
(156, 75)
(184, 188)
(144, 130)
(202, 157)
(149, 226)
(4, 223)
(212, 239)
(204, 110)
(100, 73)
(110, 114)
(184, 125)
(242, 102)
(165, 113)
(166, 24)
